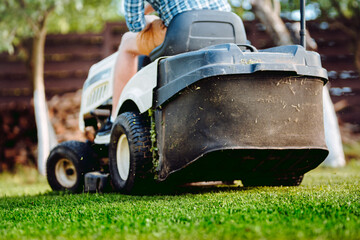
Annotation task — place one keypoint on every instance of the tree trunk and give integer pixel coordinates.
(275, 27)
(276, 6)
(45, 131)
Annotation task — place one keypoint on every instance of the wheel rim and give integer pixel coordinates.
(65, 173)
(123, 157)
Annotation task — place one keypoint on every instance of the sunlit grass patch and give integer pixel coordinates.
(25, 181)
(352, 150)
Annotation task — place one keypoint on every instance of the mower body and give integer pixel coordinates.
(223, 110)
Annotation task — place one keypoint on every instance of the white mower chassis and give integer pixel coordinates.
(98, 88)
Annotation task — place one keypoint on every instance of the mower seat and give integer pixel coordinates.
(193, 30)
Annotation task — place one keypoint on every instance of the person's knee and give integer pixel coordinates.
(128, 41)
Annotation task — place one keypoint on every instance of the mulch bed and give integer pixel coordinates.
(18, 135)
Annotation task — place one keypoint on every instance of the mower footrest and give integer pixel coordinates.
(97, 182)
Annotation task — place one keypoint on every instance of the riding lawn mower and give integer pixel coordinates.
(204, 106)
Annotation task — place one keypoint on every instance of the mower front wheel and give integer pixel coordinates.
(67, 164)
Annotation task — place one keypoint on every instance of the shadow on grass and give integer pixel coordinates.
(338, 178)
(198, 188)
(159, 190)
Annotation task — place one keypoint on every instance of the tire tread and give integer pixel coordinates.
(138, 133)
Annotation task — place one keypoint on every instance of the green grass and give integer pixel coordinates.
(325, 206)
(352, 150)
(26, 181)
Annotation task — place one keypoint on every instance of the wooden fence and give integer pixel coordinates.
(69, 57)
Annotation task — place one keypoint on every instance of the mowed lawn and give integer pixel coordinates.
(325, 206)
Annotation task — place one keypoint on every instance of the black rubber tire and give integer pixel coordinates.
(82, 157)
(137, 132)
(291, 180)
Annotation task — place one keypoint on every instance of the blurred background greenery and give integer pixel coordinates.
(24, 25)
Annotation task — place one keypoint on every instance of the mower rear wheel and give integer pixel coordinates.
(67, 164)
(130, 159)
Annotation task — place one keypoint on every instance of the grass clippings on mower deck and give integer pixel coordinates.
(325, 206)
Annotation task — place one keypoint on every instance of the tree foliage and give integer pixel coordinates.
(346, 16)
(22, 19)
(90, 16)
(343, 15)
(25, 23)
